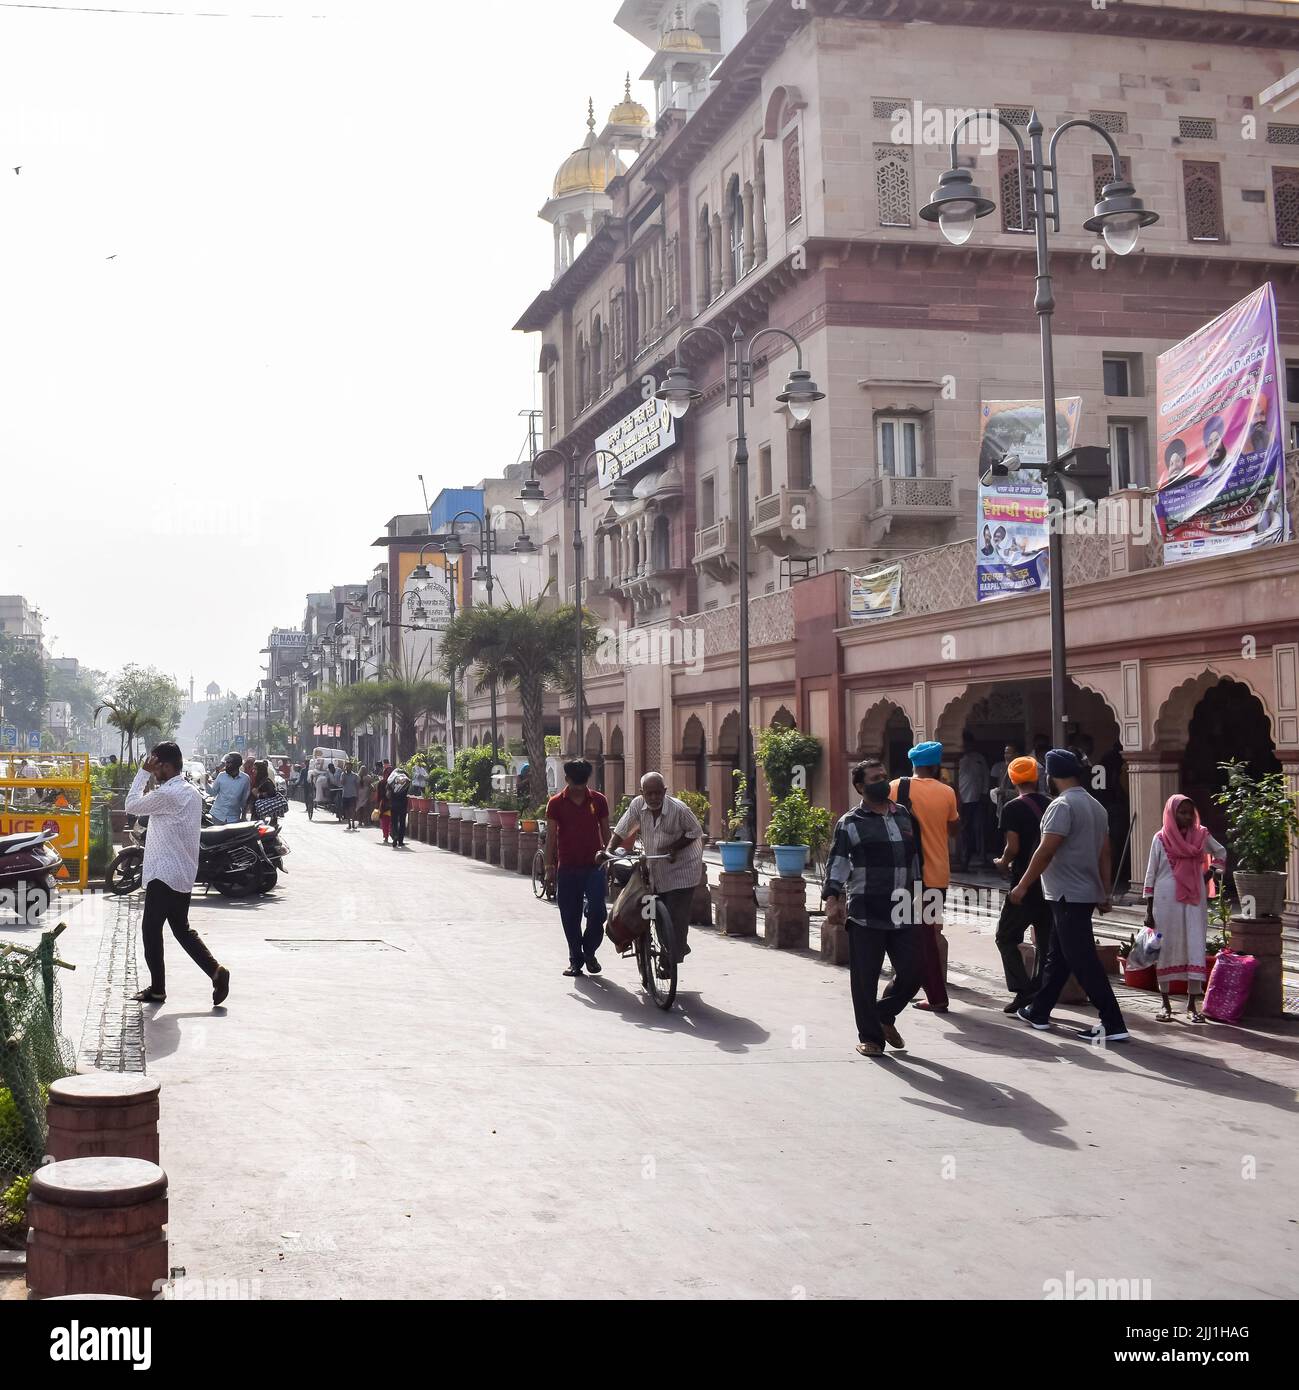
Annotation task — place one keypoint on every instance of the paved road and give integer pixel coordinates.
(404, 1097)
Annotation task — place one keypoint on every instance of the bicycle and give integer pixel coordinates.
(540, 888)
(655, 950)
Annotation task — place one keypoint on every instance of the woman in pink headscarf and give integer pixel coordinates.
(1177, 902)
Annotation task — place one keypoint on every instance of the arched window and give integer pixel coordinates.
(597, 359)
(705, 257)
(583, 373)
(661, 544)
(707, 23)
(735, 212)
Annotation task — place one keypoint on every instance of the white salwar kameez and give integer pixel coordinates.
(1185, 926)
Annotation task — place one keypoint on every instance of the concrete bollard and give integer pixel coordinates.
(1260, 937)
(510, 848)
(785, 921)
(527, 850)
(493, 844)
(98, 1226)
(737, 910)
(100, 1113)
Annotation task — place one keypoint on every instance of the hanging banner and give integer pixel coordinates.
(876, 595)
(1011, 531)
(1220, 448)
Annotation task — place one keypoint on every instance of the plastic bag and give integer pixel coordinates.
(627, 923)
(1145, 949)
(1229, 987)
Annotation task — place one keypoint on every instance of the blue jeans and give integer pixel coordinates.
(576, 889)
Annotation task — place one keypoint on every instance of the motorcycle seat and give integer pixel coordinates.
(236, 830)
(11, 844)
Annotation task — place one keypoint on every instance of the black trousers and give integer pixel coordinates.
(867, 947)
(165, 905)
(1012, 926)
(1073, 950)
(399, 810)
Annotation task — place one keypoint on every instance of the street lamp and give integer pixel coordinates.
(577, 477)
(679, 392)
(1118, 217)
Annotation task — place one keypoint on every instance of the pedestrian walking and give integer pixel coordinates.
(577, 830)
(973, 783)
(1073, 861)
(870, 882)
(231, 789)
(1021, 825)
(322, 788)
(349, 789)
(1183, 856)
(668, 826)
(175, 811)
(932, 804)
(385, 802)
(365, 795)
(398, 801)
(418, 779)
(309, 789)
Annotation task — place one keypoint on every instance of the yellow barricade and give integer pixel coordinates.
(50, 791)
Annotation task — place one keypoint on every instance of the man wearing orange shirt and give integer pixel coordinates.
(933, 805)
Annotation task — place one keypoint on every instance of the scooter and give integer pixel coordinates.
(237, 860)
(28, 863)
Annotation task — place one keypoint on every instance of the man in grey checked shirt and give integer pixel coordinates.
(666, 826)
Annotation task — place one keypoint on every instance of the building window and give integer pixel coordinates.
(707, 502)
(886, 108)
(597, 359)
(1117, 377)
(1285, 203)
(798, 447)
(1016, 115)
(764, 471)
(1202, 184)
(552, 399)
(735, 206)
(661, 544)
(1283, 134)
(1116, 122)
(583, 374)
(1103, 172)
(1127, 453)
(793, 179)
(899, 445)
(1013, 218)
(1197, 128)
(893, 184)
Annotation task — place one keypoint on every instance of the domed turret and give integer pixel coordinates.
(629, 112)
(590, 168)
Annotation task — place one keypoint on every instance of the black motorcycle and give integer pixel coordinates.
(237, 860)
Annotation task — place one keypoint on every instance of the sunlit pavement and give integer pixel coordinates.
(404, 1097)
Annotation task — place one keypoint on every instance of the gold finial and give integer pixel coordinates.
(590, 114)
(626, 91)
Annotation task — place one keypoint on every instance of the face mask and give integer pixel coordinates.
(877, 792)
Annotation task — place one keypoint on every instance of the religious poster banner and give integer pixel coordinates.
(1012, 541)
(876, 595)
(1220, 450)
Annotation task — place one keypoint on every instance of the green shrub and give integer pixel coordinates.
(470, 782)
(1261, 818)
(620, 810)
(698, 803)
(13, 1203)
(553, 745)
(785, 754)
(795, 821)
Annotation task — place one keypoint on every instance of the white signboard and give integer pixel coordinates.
(636, 438)
(286, 637)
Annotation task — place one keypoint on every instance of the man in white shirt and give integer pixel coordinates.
(175, 811)
(418, 780)
(973, 784)
(666, 826)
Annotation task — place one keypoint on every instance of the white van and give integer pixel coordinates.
(322, 757)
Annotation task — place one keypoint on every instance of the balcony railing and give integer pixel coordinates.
(923, 498)
(717, 548)
(784, 521)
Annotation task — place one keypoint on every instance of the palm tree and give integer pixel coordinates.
(405, 697)
(528, 645)
(130, 724)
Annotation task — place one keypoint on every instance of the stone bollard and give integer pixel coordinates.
(467, 836)
(1260, 937)
(786, 916)
(701, 905)
(527, 849)
(443, 828)
(510, 848)
(103, 1113)
(834, 942)
(480, 839)
(494, 844)
(737, 909)
(421, 820)
(98, 1225)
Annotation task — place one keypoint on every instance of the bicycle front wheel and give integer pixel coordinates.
(538, 875)
(659, 959)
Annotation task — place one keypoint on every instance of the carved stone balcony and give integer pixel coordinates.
(717, 549)
(919, 499)
(650, 586)
(784, 522)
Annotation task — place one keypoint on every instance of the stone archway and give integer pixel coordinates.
(570, 745)
(782, 719)
(615, 768)
(881, 726)
(722, 765)
(593, 752)
(694, 753)
(1227, 722)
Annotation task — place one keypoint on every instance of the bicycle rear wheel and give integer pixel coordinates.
(658, 959)
(539, 875)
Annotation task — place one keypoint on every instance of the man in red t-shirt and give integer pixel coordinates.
(577, 829)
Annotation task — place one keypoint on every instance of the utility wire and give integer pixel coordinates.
(171, 14)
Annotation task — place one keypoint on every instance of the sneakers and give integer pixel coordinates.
(220, 986)
(1024, 1014)
(1098, 1034)
(892, 1036)
(573, 971)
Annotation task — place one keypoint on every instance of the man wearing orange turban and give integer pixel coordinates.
(1020, 823)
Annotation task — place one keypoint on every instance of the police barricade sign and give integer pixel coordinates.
(50, 793)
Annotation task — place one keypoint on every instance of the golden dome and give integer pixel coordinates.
(629, 112)
(591, 167)
(681, 38)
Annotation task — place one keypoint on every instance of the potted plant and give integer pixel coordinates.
(507, 810)
(789, 757)
(1261, 822)
(735, 852)
(797, 828)
(698, 803)
(531, 819)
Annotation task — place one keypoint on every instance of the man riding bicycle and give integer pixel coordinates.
(668, 827)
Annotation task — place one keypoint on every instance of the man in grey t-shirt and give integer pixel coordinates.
(1073, 862)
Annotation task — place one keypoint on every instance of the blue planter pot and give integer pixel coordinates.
(791, 860)
(735, 855)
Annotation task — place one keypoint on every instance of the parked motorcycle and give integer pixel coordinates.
(237, 860)
(28, 863)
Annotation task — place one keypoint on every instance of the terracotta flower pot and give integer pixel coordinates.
(530, 825)
(509, 820)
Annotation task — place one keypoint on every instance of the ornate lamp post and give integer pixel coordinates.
(679, 392)
(1119, 217)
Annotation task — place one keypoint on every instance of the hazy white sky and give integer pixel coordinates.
(322, 231)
